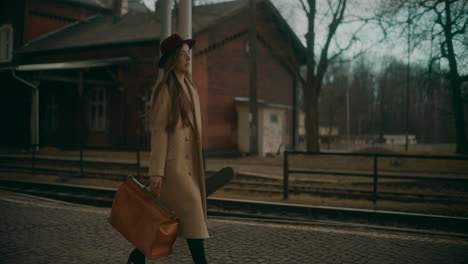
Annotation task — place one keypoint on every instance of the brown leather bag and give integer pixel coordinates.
(137, 214)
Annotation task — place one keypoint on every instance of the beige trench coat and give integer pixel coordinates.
(177, 156)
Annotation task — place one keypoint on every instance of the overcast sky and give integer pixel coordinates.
(368, 37)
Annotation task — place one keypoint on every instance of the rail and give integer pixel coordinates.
(82, 148)
(374, 174)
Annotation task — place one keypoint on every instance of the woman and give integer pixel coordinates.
(175, 165)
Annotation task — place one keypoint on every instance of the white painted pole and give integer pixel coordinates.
(166, 18)
(254, 134)
(166, 23)
(185, 21)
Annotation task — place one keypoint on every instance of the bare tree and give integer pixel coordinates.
(318, 59)
(443, 22)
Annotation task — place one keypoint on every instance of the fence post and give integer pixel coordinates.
(33, 159)
(138, 162)
(285, 176)
(376, 177)
(81, 161)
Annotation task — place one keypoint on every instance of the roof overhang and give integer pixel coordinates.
(68, 65)
(245, 100)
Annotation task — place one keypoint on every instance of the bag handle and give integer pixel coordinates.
(151, 194)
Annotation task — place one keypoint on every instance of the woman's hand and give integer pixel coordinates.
(155, 184)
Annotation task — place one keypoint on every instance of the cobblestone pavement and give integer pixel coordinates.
(39, 230)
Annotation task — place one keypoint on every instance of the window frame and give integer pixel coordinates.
(6, 43)
(97, 123)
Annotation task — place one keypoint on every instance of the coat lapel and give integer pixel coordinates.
(197, 130)
(196, 110)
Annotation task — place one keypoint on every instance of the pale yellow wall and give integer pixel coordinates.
(270, 134)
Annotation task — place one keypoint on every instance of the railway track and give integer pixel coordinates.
(118, 171)
(260, 211)
(345, 193)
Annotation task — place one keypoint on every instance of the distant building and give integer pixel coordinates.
(399, 139)
(93, 66)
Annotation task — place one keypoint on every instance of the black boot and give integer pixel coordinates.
(136, 257)
(197, 249)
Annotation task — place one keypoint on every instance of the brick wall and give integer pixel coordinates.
(228, 76)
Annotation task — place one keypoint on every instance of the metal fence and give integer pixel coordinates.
(374, 173)
(82, 149)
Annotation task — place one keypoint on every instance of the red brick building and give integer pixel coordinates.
(95, 75)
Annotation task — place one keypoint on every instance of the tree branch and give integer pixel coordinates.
(462, 30)
(304, 7)
(341, 50)
(337, 19)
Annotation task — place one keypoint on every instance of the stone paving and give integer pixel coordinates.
(39, 230)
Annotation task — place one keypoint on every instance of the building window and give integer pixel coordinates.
(50, 121)
(6, 43)
(97, 109)
(273, 118)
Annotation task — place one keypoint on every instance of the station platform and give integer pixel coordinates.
(41, 230)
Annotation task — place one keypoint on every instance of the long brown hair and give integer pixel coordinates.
(180, 106)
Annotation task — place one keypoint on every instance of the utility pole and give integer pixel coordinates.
(348, 110)
(185, 21)
(408, 78)
(253, 116)
(166, 18)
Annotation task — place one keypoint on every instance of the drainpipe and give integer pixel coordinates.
(34, 110)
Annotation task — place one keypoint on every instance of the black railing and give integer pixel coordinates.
(374, 174)
(82, 148)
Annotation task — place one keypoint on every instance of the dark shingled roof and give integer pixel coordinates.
(136, 5)
(132, 27)
(140, 27)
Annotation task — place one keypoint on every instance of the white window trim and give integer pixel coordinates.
(3, 43)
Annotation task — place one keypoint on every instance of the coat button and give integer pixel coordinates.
(187, 139)
(190, 173)
(187, 156)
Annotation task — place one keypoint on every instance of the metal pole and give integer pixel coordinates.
(408, 78)
(166, 18)
(185, 21)
(33, 159)
(285, 176)
(81, 161)
(138, 162)
(34, 110)
(253, 80)
(166, 22)
(348, 139)
(376, 176)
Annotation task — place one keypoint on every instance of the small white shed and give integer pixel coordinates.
(272, 121)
